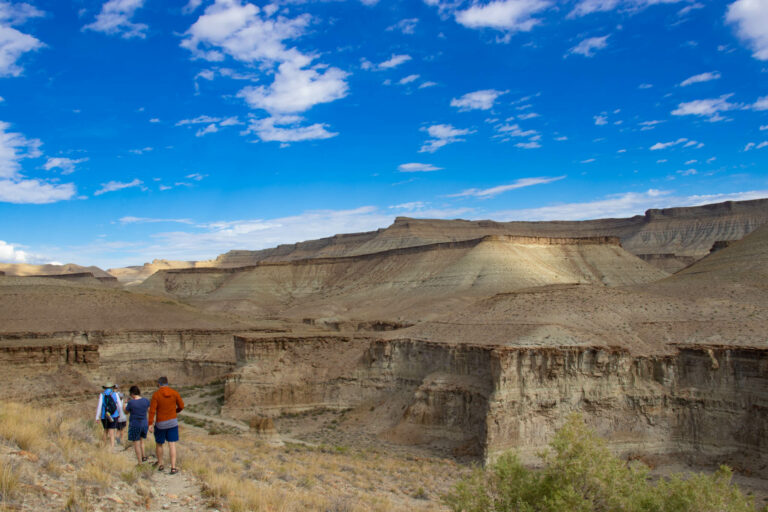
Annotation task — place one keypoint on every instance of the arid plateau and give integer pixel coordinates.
(429, 345)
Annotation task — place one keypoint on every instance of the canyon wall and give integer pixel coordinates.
(70, 363)
(702, 402)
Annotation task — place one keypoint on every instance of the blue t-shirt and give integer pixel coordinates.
(138, 409)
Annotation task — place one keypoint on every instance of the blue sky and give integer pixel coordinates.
(141, 129)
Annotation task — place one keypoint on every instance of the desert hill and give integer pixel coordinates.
(38, 304)
(671, 238)
(26, 269)
(408, 283)
(136, 274)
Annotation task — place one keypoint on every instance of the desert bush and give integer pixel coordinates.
(581, 475)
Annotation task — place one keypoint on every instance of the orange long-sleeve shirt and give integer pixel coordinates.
(165, 403)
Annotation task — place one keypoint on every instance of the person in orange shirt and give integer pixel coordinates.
(163, 407)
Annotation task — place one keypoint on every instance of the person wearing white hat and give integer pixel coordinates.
(109, 411)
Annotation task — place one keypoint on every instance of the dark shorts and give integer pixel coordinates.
(166, 434)
(109, 425)
(120, 425)
(137, 432)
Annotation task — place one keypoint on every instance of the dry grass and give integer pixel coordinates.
(9, 482)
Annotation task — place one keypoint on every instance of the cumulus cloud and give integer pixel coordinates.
(600, 120)
(112, 186)
(191, 6)
(761, 104)
(710, 108)
(288, 129)
(750, 17)
(14, 186)
(589, 46)
(506, 15)
(441, 135)
(417, 167)
(13, 43)
(702, 77)
(494, 191)
(252, 35)
(478, 100)
(10, 254)
(67, 165)
(408, 79)
(115, 18)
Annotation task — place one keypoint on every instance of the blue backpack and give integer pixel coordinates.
(110, 406)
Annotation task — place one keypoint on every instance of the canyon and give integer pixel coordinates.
(461, 338)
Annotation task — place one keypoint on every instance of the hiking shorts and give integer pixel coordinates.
(166, 434)
(136, 432)
(109, 425)
(120, 425)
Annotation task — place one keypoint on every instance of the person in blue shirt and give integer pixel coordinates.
(108, 421)
(138, 425)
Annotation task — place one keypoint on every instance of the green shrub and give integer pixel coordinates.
(581, 475)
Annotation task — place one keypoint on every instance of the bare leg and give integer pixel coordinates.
(138, 447)
(111, 433)
(159, 452)
(141, 443)
(172, 449)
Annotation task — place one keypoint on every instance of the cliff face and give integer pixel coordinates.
(70, 363)
(698, 402)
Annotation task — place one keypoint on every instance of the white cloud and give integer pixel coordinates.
(13, 43)
(589, 46)
(191, 6)
(417, 167)
(494, 191)
(9, 253)
(753, 145)
(154, 120)
(764, 127)
(514, 130)
(113, 186)
(196, 176)
(761, 104)
(115, 18)
(600, 120)
(406, 26)
(691, 162)
(253, 35)
(529, 115)
(211, 128)
(393, 62)
(287, 129)
(623, 205)
(528, 145)
(297, 89)
(149, 220)
(665, 145)
(649, 125)
(588, 161)
(751, 20)
(702, 77)
(67, 165)
(17, 188)
(141, 151)
(707, 108)
(427, 84)
(478, 100)
(687, 172)
(585, 7)
(645, 86)
(507, 15)
(442, 134)
(199, 120)
(408, 79)
(34, 191)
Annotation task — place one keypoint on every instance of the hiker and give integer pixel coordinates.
(122, 420)
(138, 426)
(165, 403)
(108, 412)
